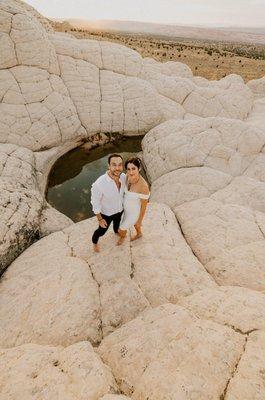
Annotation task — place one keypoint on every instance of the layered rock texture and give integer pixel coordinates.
(178, 314)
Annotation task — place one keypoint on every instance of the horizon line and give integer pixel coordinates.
(201, 24)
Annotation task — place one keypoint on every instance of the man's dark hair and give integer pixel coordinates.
(112, 156)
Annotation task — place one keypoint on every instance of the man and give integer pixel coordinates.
(107, 198)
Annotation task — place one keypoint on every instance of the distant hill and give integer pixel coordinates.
(231, 34)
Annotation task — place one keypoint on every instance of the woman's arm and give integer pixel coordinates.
(144, 190)
(142, 212)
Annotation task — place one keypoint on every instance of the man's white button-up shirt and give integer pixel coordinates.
(106, 198)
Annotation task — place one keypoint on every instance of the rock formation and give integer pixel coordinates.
(178, 314)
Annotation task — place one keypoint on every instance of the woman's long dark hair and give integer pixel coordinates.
(135, 161)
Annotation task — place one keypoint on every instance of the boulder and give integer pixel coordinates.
(168, 352)
(74, 372)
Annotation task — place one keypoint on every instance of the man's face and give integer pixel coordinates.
(116, 166)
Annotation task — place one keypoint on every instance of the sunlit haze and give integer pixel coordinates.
(248, 13)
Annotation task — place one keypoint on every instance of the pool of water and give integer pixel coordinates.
(72, 175)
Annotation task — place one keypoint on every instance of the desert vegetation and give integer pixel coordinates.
(210, 59)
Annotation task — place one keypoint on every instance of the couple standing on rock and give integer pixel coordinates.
(119, 198)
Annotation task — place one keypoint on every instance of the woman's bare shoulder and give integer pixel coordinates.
(144, 187)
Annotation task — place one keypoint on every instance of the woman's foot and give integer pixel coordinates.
(137, 236)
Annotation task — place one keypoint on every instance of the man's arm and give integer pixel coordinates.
(96, 196)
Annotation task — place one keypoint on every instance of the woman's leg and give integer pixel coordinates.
(138, 233)
(122, 235)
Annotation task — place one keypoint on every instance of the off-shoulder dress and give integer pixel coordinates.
(132, 207)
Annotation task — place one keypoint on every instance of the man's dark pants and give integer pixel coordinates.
(115, 218)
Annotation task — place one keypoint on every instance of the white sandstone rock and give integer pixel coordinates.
(257, 86)
(32, 371)
(223, 144)
(242, 265)
(204, 154)
(248, 380)
(114, 397)
(242, 309)
(36, 111)
(53, 221)
(82, 80)
(234, 101)
(256, 116)
(169, 68)
(32, 44)
(8, 54)
(166, 351)
(129, 105)
(163, 266)
(256, 170)
(20, 202)
(120, 59)
(243, 191)
(187, 184)
(120, 297)
(211, 227)
(49, 299)
(83, 49)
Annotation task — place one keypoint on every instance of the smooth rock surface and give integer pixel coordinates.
(32, 371)
(248, 381)
(155, 354)
(163, 265)
(95, 293)
(241, 308)
(204, 155)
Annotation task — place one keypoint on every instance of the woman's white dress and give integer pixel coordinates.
(132, 207)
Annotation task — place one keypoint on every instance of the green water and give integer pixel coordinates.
(72, 175)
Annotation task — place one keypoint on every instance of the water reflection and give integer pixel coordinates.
(73, 174)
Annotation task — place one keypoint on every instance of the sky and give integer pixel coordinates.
(249, 13)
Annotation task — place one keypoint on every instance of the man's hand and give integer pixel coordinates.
(103, 223)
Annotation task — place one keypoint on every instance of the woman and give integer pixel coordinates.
(136, 197)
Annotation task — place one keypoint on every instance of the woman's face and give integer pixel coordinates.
(132, 170)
